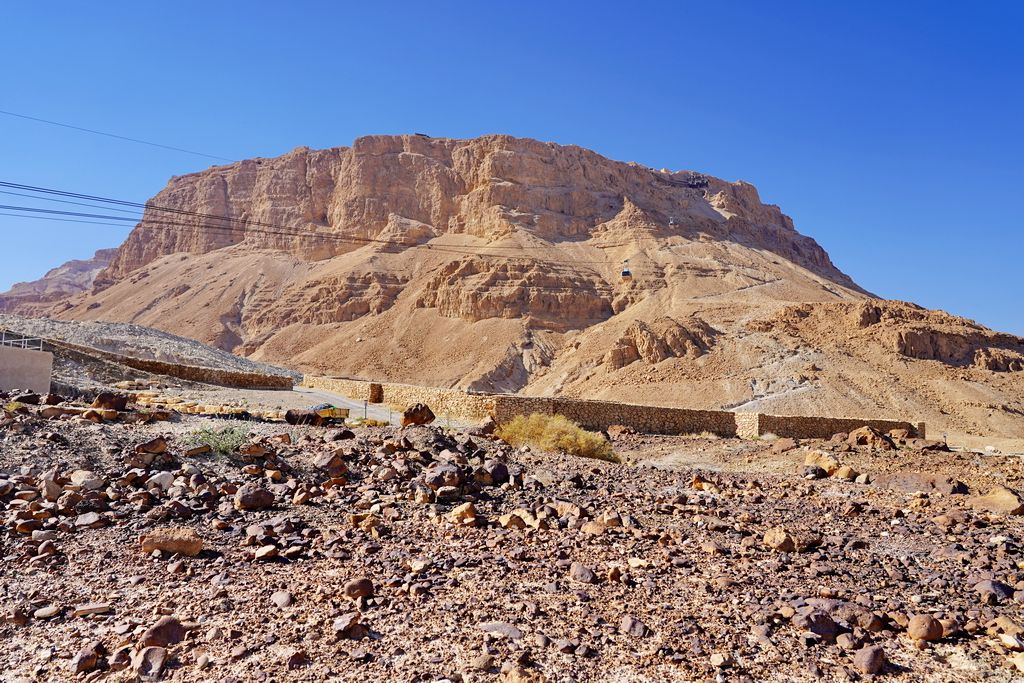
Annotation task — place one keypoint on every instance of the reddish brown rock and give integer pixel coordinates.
(999, 501)
(417, 414)
(182, 541)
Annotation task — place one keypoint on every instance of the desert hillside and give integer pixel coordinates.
(495, 264)
(57, 285)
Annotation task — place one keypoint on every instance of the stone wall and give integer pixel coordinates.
(602, 414)
(25, 369)
(192, 373)
(355, 389)
(461, 405)
(823, 427)
(444, 402)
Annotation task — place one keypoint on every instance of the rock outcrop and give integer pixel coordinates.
(662, 339)
(545, 295)
(402, 190)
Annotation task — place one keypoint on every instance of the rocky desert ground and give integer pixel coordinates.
(132, 551)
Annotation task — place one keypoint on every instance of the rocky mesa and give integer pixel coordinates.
(496, 263)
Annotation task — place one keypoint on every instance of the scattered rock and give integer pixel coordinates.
(869, 659)
(253, 497)
(88, 658)
(911, 482)
(107, 400)
(869, 436)
(778, 538)
(582, 573)
(823, 460)
(149, 663)
(633, 627)
(502, 629)
(417, 414)
(783, 445)
(166, 631)
(282, 599)
(998, 501)
(359, 588)
(178, 540)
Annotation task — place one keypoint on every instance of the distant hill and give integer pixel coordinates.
(60, 283)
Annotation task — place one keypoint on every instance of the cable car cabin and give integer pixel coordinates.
(627, 276)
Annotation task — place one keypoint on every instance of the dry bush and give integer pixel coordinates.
(223, 441)
(366, 422)
(704, 435)
(556, 433)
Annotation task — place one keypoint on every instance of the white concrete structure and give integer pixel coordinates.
(22, 368)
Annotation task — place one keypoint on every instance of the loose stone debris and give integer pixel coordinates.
(420, 554)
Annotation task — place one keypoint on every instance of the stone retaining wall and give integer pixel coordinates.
(823, 427)
(602, 414)
(461, 405)
(192, 373)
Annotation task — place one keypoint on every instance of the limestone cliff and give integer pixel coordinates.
(407, 189)
(495, 264)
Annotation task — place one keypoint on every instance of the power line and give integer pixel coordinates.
(62, 201)
(602, 287)
(114, 135)
(185, 212)
(244, 223)
(227, 231)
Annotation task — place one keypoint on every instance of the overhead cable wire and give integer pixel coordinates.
(114, 135)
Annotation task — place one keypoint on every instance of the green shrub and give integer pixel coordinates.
(223, 441)
(556, 433)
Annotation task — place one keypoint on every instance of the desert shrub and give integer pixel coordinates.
(366, 422)
(224, 441)
(556, 433)
(704, 434)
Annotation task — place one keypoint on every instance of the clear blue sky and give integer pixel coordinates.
(891, 132)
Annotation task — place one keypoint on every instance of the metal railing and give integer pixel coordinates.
(20, 341)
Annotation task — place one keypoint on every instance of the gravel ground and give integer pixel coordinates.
(699, 559)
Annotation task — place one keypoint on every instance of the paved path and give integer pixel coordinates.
(358, 408)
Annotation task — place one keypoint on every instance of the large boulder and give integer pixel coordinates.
(823, 460)
(999, 501)
(108, 400)
(869, 436)
(417, 414)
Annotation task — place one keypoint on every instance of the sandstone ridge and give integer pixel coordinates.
(494, 264)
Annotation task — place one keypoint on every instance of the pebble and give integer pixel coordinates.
(582, 573)
(282, 599)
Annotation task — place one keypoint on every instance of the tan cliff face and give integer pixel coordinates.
(495, 263)
(410, 189)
